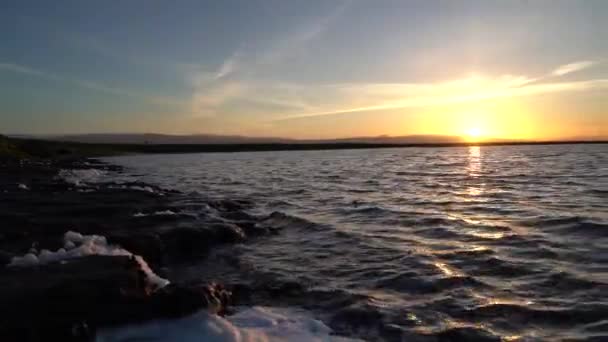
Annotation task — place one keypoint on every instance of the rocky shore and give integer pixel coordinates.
(79, 256)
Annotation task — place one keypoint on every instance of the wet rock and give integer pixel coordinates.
(230, 205)
(147, 245)
(360, 316)
(5, 257)
(179, 300)
(187, 241)
(227, 232)
(252, 228)
(238, 216)
(68, 301)
(466, 334)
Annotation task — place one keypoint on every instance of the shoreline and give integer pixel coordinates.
(190, 239)
(78, 257)
(21, 147)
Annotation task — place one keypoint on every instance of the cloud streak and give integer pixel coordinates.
(235, 80)
(26, 70)
(378, 97)
(572, 67)
(282, 101)
(229, 66)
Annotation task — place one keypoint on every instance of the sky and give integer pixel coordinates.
(518, 69)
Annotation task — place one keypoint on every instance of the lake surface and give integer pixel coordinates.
(479, 243)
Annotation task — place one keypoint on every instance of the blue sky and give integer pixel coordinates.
(315, 69)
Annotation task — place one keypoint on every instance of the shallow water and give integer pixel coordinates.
(477, 243)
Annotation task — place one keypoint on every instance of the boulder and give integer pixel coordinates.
(189, 241)
(69, 300)
(226, 233)
(148, 245)
(5, 257)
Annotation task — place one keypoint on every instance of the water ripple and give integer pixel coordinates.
(437, 244)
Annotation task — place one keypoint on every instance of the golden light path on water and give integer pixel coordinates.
(475, 189)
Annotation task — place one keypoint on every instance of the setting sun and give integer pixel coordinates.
(473, 133)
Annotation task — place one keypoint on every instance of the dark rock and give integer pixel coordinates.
(69, 301)
(188, 241)
(230, 205)
(147, 245)
(178, 300)
(286, 289)
(252, 228)
(227, 232)
(238, 216)
(356, 316)
(5, 257)
(241, 293)
(466, 334)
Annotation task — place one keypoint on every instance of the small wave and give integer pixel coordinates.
(497, 267)
(441, 233)
(360, 191)
(461, 334)
(366, 210)
(528, 314)
(465, 254)
(571, 225)
(81, 177)
(588, 227)
(564, 281)
(156, 213)
(412, 283)
(599, 191)
(144, 188)
(279, 220)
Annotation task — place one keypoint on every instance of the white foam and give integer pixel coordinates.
(250, 324)
(79, 177)
(156, 213)
(85, 190)
(136, 188)
(77, 245)
(142, 188)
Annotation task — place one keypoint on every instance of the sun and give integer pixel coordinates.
(474, 133)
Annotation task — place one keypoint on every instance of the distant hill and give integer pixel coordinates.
(210, 139)
(406, 139)
(95, 145)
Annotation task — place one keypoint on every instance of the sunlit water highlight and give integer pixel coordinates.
(494, 242)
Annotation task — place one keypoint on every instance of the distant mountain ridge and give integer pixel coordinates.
(209, 139)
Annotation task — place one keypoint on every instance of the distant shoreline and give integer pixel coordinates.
(60, 149)
(228, 148)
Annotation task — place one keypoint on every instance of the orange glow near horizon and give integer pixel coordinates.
(488, 120)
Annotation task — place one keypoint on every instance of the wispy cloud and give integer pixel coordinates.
(16, 68)
(280, 101)
(572, 67)
(229, 66)
(380, 97)
(295, 40)
(236, 79)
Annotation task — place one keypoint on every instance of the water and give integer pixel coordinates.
(455, 243)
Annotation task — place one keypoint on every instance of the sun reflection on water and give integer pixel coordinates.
(474, 169)
(474, 165)
(445, 269)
